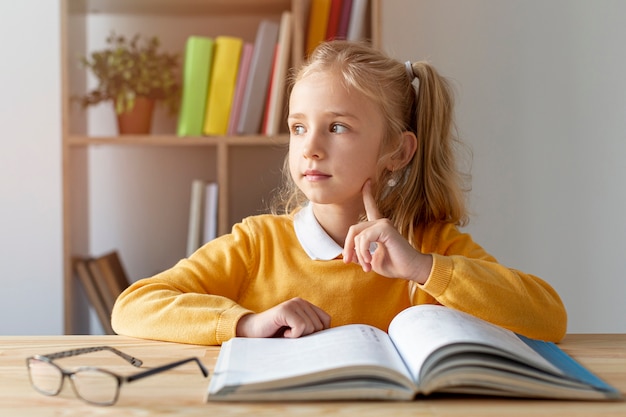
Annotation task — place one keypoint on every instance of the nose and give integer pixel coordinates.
(314, 145)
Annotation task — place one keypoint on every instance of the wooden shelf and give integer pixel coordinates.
(245, 168)
(178, 7)
(173, 140)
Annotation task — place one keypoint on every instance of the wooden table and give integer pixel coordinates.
(181, 391)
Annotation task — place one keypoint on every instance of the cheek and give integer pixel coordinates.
(293, 161)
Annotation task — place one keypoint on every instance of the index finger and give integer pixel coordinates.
(371, 209)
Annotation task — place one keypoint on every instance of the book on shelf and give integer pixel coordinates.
(264, 123)
(93, 294)
(196, 74)
(255, 93)
(242, 77)
(428, 349)
(110, 277)
(209, 220)
(334, 15)
(344, 19)
(226, 55)
(358, 26)
(276, 98)
(202, 214)
(300, 12)
(318, 23)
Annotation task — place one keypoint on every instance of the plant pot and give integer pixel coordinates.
(137, 121)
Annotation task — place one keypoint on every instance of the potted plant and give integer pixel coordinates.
(133, 74)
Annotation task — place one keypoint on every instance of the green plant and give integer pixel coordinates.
(130, 68)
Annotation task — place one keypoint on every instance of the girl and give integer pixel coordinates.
(371, 203)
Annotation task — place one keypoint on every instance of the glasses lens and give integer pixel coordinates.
(45, 377)
(96, 386)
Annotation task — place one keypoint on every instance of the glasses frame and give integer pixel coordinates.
(121, 379)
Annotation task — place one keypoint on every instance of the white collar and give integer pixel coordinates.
(313, 238)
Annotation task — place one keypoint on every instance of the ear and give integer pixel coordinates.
(405, 153)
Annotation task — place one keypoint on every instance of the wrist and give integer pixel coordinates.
(423, 268)
(241, 330)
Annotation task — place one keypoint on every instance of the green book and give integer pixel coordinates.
(196, 76)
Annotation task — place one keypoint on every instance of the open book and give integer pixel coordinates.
(429, 349)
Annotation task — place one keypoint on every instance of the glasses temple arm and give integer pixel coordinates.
(167, 367)
(74, 352)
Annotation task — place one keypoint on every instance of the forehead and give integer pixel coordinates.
(327, 89)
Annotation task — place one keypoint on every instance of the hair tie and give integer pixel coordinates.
(408, 66)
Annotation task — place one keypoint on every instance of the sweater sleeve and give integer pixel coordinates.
(465, 277)
(194, 301)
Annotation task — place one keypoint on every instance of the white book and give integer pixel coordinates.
(428, 349)
(357, 28)
(196, 212)
(209, 226)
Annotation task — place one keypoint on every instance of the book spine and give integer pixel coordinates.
(93, 294)
(222, 84)
(196, 72)
(242, 77)
(258, 79)
(318, 23)
(357, 27)
(275, 109)
(333, 19)
(195, 216)
(344, 20)
(270, 93)
(210, 212)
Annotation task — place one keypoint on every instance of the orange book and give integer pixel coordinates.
(318, 23)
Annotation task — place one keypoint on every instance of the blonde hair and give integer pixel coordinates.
(429, 188)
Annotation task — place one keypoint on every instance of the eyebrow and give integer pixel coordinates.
(331, 113)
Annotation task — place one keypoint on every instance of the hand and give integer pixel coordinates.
(394, 257)
(292, 318)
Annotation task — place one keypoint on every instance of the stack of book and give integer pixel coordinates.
(336, 19)
(233, 87)
(103, 279)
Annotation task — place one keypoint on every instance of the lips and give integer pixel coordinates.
(315, 175)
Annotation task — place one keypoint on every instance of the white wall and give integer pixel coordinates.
(30, 169)
(541, 99)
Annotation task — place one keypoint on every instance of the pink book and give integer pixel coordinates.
(244, 68)
(344, 20)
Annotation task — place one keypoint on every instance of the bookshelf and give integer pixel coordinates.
(131, 192)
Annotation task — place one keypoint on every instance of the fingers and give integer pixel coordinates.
(292, 318)
(307, 319)
(357, 248)
(371, 208)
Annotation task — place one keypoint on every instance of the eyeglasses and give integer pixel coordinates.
(90, 384)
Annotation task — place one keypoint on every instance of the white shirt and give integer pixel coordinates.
(313, 238)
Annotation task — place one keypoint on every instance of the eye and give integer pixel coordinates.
(297, 130)
(338, 128)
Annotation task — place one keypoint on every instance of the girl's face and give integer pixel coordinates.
(335, 138)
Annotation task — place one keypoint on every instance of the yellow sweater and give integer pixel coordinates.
(261, 264)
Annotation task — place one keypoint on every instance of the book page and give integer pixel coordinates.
(419, 331)
(258, 360)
